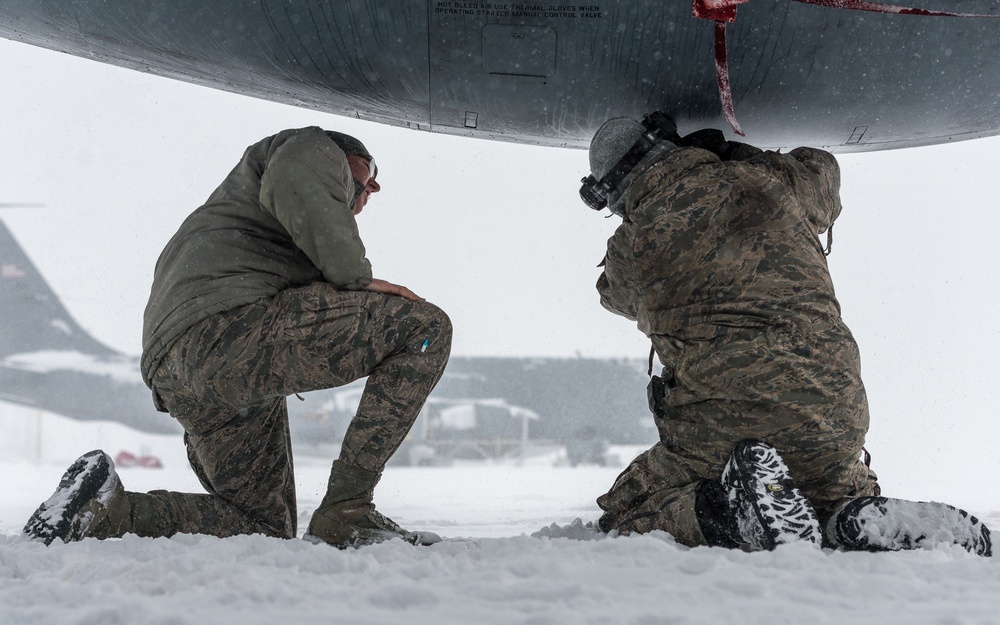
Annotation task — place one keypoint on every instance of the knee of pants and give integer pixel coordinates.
(435, 321)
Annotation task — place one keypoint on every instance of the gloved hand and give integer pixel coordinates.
(707, 139)
(714, 141)
(736, 151)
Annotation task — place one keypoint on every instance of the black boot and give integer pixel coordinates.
(717, 522)
(755, 503)
(89, 502)
(882, 524)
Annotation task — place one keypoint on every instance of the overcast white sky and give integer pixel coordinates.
(496, 235)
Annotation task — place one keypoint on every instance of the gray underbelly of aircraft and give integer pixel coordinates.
(551, 73)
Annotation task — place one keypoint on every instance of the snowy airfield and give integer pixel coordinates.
(496, 574)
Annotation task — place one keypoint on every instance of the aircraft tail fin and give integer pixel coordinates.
(49, 362)
(33, 319)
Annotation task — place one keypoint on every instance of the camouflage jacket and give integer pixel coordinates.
(709, 247)
(281, 219)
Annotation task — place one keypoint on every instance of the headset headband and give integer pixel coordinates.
(657, 126)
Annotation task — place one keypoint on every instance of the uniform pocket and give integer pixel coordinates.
(317, 311)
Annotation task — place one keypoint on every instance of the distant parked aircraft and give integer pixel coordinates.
(48, 361)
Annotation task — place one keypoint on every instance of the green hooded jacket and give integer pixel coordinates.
(281, 219)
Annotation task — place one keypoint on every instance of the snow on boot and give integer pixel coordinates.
(882, 524)
(767, 507)
(89, 502)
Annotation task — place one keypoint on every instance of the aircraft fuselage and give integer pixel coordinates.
(550, 73)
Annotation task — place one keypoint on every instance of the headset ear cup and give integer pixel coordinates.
(589, 194)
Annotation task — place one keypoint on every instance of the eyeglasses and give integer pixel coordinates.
(372, 168)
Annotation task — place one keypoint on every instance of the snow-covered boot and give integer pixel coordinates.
(764, 506)
(347, 517)
(89, 502)
(883, 524)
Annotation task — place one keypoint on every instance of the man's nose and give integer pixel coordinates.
(374, 187)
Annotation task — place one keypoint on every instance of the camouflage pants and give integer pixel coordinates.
(799, 390)
(225, 380)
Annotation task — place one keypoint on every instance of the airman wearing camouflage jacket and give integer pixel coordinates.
(719, 262)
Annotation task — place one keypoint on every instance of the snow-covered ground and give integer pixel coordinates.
(499, 575)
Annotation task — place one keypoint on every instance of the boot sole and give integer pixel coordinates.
(365, 538)
(781, 512)
(91, 477)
